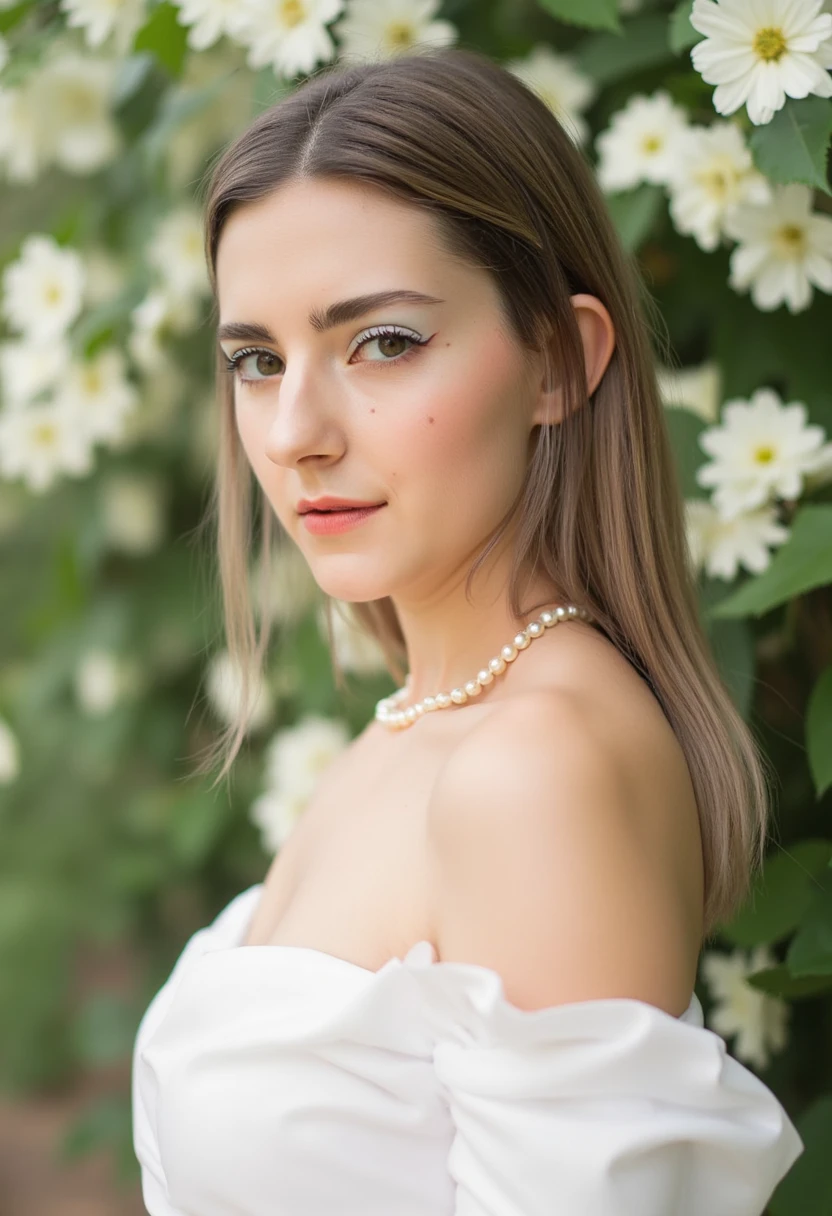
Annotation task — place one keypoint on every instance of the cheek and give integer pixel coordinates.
(470, 423)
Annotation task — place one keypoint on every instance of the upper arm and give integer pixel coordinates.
(540, 867)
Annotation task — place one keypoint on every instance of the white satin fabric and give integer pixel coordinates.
(281, 1080)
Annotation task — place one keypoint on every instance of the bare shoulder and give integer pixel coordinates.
(563, 842)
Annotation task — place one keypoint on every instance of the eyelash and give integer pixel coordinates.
(377, 331)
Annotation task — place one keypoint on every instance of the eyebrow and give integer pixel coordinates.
(328, 318)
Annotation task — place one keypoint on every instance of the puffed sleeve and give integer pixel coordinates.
(598, 1108)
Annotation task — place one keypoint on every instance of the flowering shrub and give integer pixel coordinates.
(708, 123)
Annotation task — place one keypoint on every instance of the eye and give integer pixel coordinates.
(387, 336)
(264, 364)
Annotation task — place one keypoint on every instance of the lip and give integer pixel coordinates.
(328, 523)
(330, 503)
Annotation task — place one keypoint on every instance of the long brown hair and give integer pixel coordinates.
(600, 510)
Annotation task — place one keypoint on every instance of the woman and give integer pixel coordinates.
(466, 983)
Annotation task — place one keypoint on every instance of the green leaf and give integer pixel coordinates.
(819, 731)
(684, 428)
(11, 16)
(733, 647)
(810, 952)
(681, 33)
(164, 37)
(780, 895)
(593, 14)
(635, 212)
(778, 981)
(610, 57)
(807, 1187)
(130, 76)
(793, 147)
(804, 561)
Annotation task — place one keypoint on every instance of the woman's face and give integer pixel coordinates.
(434, 420)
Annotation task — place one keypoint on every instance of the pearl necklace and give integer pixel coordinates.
(389, 713)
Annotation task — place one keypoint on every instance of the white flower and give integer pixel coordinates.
(98, 681)
(159, 314)
(641, 143)
(763, 448)
(101, 19)
(382, 29)
(43, 290)
(723, 545)
(277, 815)
(698, 389)
(287, 35)
(29, 368)
(555, 78)
(298, 755)
(759, 53)
(25, 147)
(224, 688)
(9, 755)
(176, 252)
(783, 250)
(209, 20)
(291, 590)
(73, 98)
(758, 1019)
(40, 442)
(713, 174)
(133, 512)
(354, 649)
(98, 392)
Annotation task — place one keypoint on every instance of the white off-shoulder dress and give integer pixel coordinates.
(282, 1081)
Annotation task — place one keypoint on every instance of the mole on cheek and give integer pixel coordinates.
(429, 418)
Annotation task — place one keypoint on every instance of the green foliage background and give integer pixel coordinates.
(107, 842)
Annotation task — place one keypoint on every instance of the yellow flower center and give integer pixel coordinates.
(714, 181)
(651, 143)
(764, 455)
(292, 12)
(92, 380)
(791, 240)
(400, 33)
(53, 293)
(769, 43)
(45, 435)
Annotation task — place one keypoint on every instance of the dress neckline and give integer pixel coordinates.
(422, 953)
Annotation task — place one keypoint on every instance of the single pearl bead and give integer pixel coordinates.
(548, 618)
(497, 666)
(473, 688)
(410, 713)
(443, 700)
(535, 629)
(429, 704)
(522, 640)
(486, 676)
(560, 613)
(459, 696)
(509, 653)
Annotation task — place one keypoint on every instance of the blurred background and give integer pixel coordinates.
(708, 125)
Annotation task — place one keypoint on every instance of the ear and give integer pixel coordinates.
(598, 339)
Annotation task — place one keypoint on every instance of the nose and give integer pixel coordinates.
(304, 421)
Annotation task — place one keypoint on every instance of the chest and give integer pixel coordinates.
(351, 879)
